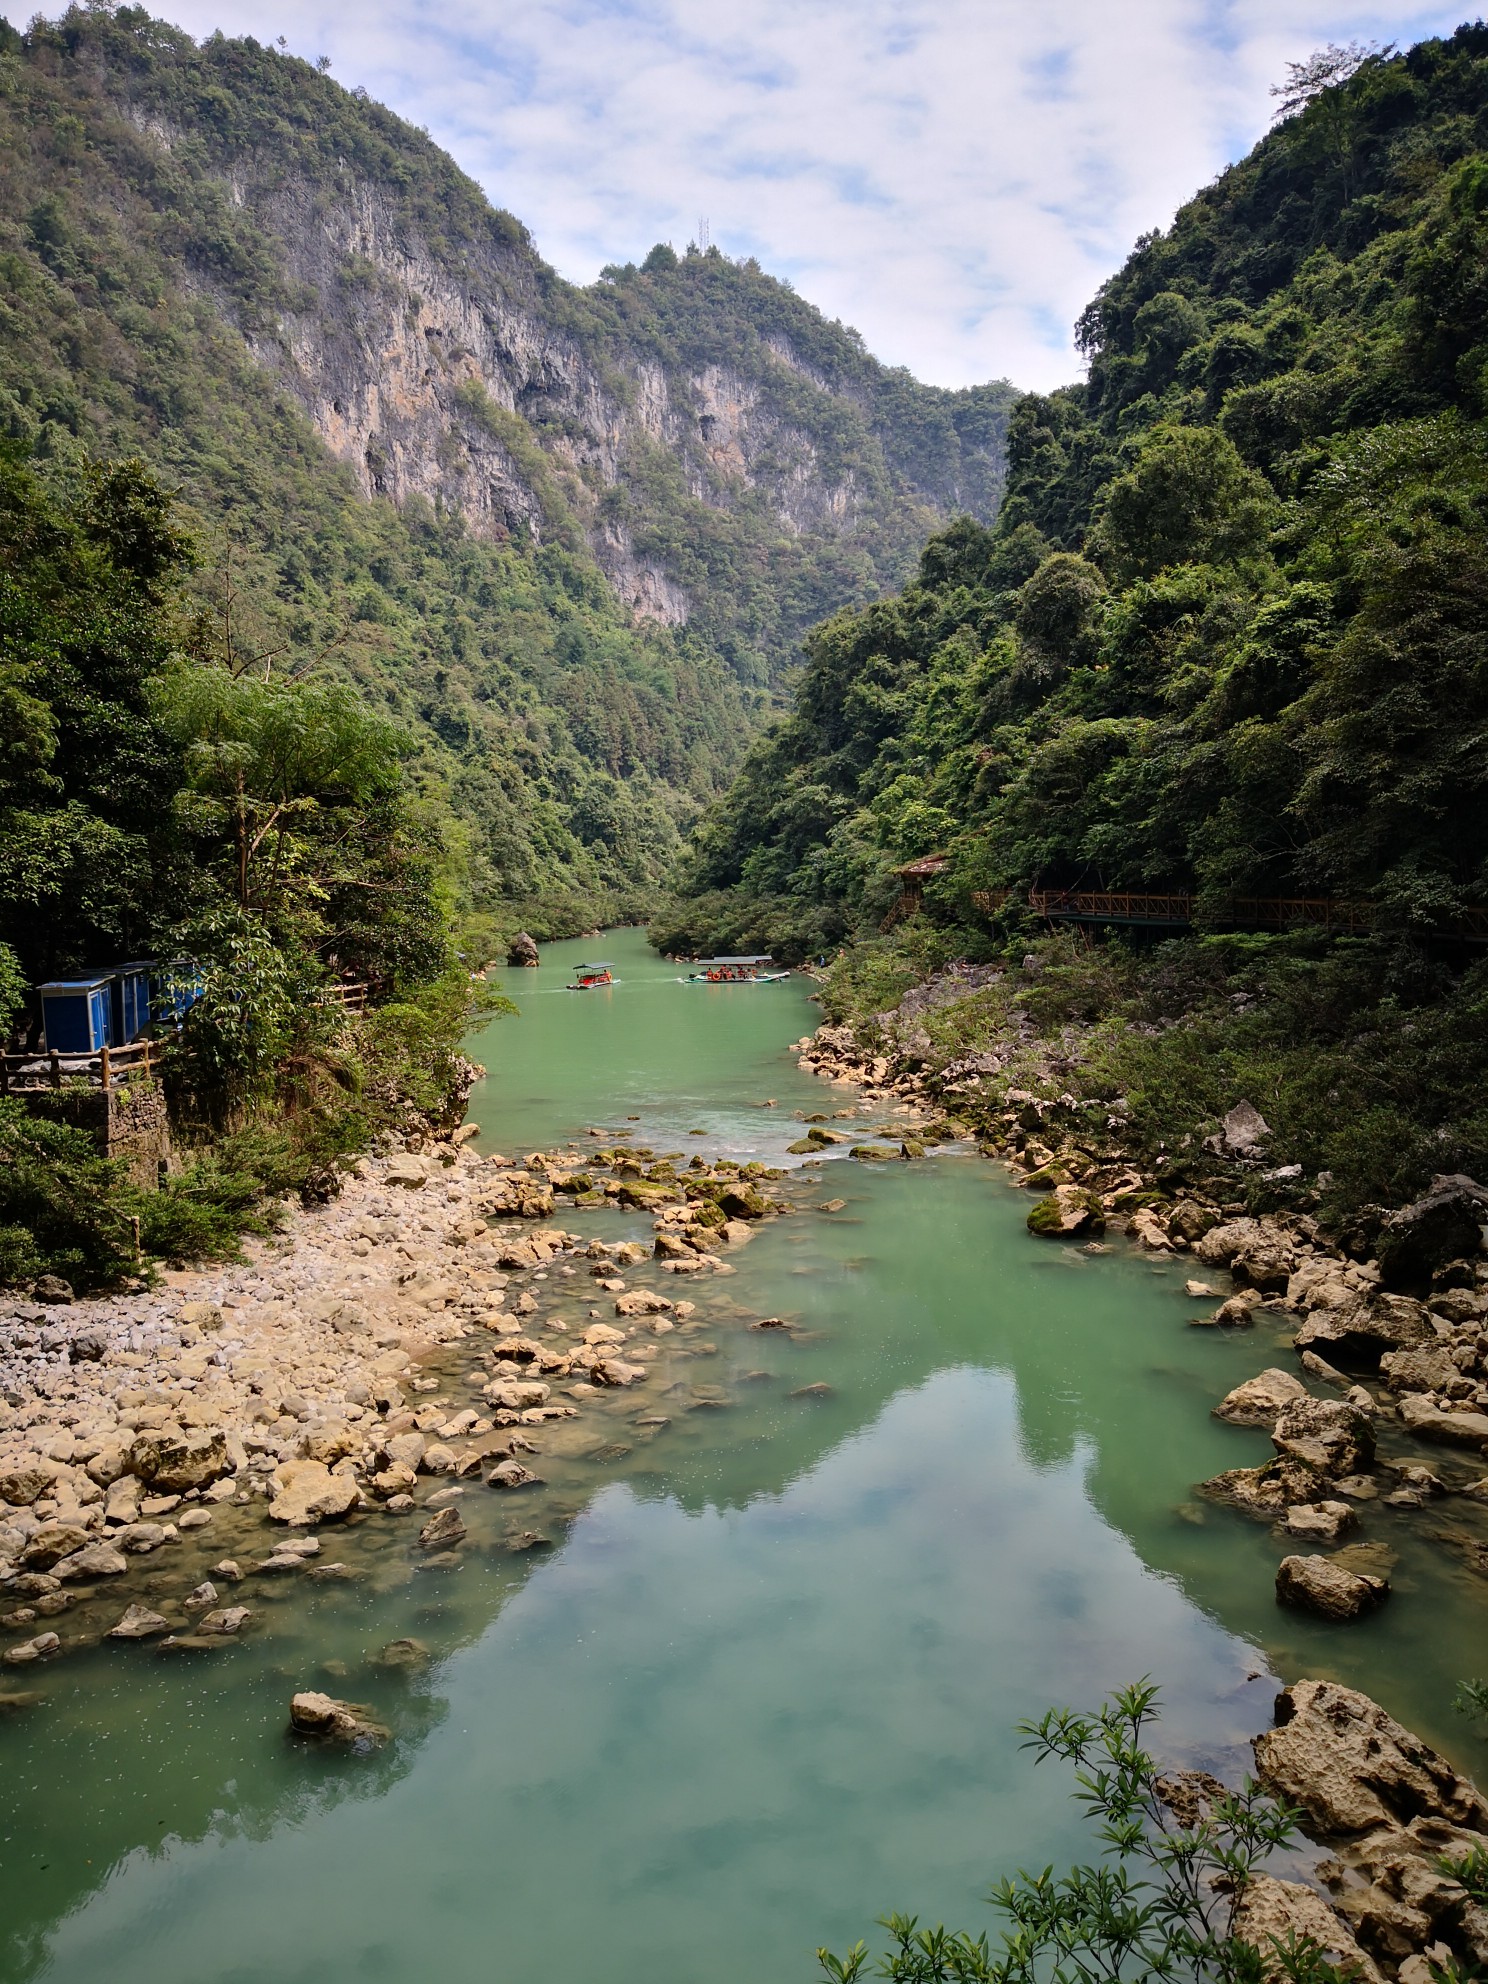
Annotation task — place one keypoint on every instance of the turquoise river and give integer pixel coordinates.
(765, 1685)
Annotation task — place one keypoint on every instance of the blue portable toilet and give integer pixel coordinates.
(130, 1000)
(76, 1013)
(178, 986)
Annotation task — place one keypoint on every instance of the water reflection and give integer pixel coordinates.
(765, 1683)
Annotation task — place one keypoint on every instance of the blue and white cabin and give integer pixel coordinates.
(130, 1000)
(76, 1013)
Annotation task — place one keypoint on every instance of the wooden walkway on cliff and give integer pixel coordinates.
(1173, 910)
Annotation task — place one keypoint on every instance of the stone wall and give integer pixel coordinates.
(127, 1120)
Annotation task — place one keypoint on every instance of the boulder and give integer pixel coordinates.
(1366, 1328)
(323, 1719)
(51, 1543)
(511, 1474)
(1261, 1400)
(1148, 1231)
(98, 1560)
(522, 950)
(641, 1302)
(41, 1648)
(1320, 1522)
(443, 1531)
(1219, 1246)
(172, 1461)
(139, 1623)
(139, 1538)
(1243, 1132)
(1352, 1768)
(231, 1619)
(1454, 1428)
(1264, 1492)
(1068, 1210)
(1328, 1435)
(1273, 1912)
(1444, 1224)
(1429, 1368)
(306, 1491)
(517, 1394)
(21, 1486)
(1266, 1268)
(742, 1201)
(52, 1288)
(1324, 1586)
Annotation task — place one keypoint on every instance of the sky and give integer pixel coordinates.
(955, 178)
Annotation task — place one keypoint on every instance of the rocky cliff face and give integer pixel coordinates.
(694, 424)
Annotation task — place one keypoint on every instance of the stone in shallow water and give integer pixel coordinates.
(1324, 1586)
(1320, 1522)
(406, 1656)
(443, 1529)
(322, 1718)
(1261, 1400)
(40, 1648)
(99, 1560)
(139, 1623)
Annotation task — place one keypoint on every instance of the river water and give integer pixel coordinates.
(765, 1685)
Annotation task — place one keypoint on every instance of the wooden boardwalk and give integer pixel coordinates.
(1174, 910)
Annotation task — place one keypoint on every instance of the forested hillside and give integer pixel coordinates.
(1230, 633)
(569, 537)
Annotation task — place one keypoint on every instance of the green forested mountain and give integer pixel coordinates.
(1230, 633)
(570, 537)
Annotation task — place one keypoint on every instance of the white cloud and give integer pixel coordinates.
(954, 177)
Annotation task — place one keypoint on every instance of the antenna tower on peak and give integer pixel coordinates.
(704, 239)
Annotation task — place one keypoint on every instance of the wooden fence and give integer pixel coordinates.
(20, 1072)
(348, 998)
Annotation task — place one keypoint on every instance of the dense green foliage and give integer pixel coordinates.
(162, 797)
(1229, 637)
(1228, 634)
(1164, 1901)
(160, 217)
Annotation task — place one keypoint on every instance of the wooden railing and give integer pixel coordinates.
(348, 998)
(19, 1072)
(1173, 909)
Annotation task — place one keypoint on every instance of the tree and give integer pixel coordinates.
(1323, 70)
(277, 772)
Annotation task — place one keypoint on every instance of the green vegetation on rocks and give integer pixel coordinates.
(1226, 640)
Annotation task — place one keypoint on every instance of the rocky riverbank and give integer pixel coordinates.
(309, 1385)
(1388, 1406)
(1392, 1313)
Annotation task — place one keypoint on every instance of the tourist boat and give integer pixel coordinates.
(588, 976)
(735, 971)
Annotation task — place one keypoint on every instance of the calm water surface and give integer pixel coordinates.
(765, 1684)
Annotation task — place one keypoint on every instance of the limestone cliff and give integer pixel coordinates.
(729, 457)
